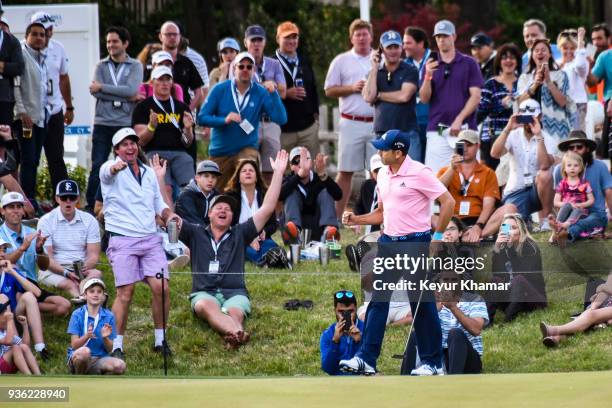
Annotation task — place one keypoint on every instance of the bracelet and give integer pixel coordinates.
(437, 236)
(150, 128)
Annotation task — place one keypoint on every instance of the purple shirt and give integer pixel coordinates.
(449, 95)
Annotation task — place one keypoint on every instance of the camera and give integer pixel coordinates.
(460, 148)
(524, 119)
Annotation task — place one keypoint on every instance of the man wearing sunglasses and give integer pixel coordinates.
(598, 175)
(234, 110)
(391, 88)
(452, 88)
(72, 236)
(342, 339)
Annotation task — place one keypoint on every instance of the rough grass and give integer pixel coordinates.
(286, 343)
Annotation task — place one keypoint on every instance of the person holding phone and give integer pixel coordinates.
(531, 150)
(342, 339)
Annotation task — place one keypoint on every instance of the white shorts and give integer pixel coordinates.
(49, 278)
(269, 143)
(354, 147)
(439, 151)
(397, 311)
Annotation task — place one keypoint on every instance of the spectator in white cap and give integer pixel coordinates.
(194, 201)
(145, 89)
(73, 242)
(234, 110)
(228, 48)
(531, 149)
(164, 126)
(452, 88)
(132, 199)
(115, 88)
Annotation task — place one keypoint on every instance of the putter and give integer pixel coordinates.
(160, 275)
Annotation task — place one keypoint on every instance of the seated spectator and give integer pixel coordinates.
(368, 195)
(193, 202)
(248, 189)
(15, 353)
(517, 259)
(531, 149)
(598, 176)
(309, 198)
(92, 330)
(26, 252)
(454, 247)
(164, 126)
(9, 161)
(474, 187)
(599, 311)
(21, 295)
(342, 339)
(218, 294)
(73, 237)
(462, 315)
(228, 48)
(454, 230)
(145, 89)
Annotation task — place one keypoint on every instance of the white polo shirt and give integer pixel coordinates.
(346, 69)
(57, 64)
(69, 239)
(130, 206)
(523, 158)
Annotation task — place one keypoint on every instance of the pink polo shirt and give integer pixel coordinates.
(407, 197)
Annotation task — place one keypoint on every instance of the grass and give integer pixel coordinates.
(286, 343)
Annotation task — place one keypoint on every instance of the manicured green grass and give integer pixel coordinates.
(286, 343)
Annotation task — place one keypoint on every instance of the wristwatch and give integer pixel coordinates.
(481, 225)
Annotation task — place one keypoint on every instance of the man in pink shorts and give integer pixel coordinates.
(132, 199)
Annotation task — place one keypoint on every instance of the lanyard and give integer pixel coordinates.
(245, 98)
(293, 73)
(2, 278)
(85, 321)
(40, 65)
(465, 184)
(1, 38)
(259, 75)
(421, 65)
(116, 79)
(215, 245)
(172, 118)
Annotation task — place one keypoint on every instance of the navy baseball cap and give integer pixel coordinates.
(255, 31)
(67, 188)
(390, 38)
(392, 140)
(480, 40)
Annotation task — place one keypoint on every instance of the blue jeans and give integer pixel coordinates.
(587, 224)
(426, 325)
(264, 246)
(415, 150)
(31, 150)
(101, 145)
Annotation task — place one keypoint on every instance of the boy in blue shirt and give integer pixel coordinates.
(92, 330)
(336, 342)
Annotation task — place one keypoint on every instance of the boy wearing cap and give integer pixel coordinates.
(392, 90)
(342, 339)
(302, 98)
(452, 88)
(228, 48)
(165, 127)
(193, 202)
(234, 110)
(92, 330)
(73, 236)
(309, 198)
(132, 199)
(482, 49)
(115, 86)
(529, 187)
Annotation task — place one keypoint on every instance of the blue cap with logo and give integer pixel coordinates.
(392, 140)
(390, 38)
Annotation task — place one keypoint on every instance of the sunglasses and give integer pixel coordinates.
(248, 67)
(389, 77)
(341, 294)
(447, 71)
(69, 198)
(579, 146)
(569, 33)
(295, 161)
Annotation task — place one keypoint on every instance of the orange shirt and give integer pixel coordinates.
(483, 184)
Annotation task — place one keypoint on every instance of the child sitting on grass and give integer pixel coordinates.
(92, 330)
(573, 197)
(15, 353)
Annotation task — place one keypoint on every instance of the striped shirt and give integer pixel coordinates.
(200, 64)
(69, 239)
(492, 110)
(472, 307)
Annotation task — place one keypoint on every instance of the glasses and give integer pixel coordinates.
(248, 67)
(344, 294)
(295, 161)
(170, 34)
(569, 33)
(69, 198)
(579, 146)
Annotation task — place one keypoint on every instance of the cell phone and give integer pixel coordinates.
(505, 229)
(460, 148)
(347, 315)
(433, 55)
(380, 51)
(299, 82)
(524, 119)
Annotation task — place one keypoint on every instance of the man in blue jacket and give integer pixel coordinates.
(233, 110)
(338, 343)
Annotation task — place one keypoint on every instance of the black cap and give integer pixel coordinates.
(224, 198)
(67, 188)
(480, 39)
(254, 31)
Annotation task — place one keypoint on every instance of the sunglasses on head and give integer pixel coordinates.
(526, 109)
(69, 198)
(248, 67)
(341, 294)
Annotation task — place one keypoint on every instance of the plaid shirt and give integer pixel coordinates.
(491, 110)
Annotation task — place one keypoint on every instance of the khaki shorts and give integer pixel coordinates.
(269, 143)
(49, 278)
(308, 138)
(354, 147)
(227, 164)
(94, 365)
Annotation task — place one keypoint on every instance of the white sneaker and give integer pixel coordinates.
(179, 262)
(545, 226)
(356, 366)
(426, 369)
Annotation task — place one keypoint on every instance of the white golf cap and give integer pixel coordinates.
(161, 70)
(530, 107)
(10, 198)
(244, 55)
(43, 18)
(93, 281)
(161, 56)
(4, 244)
(122, 134)
(444, 27)
(375, 162)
